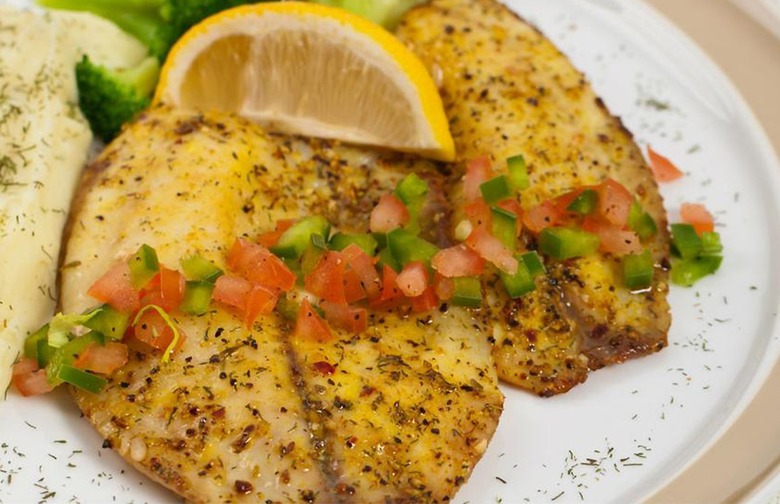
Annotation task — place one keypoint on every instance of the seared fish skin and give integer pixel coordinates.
(257, 415)
(507, 90)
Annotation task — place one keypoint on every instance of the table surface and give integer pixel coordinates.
(749, 453)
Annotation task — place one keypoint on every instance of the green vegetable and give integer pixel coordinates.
(366, 242)
(405, 247)
(297, 238)
(468, 292)
(412, 192)
(567, 243)
(386, 259)
(81, 379)
(585, 203)
(495, 189)
(109, 322)
(199, 268)
(685, 241)
(144, 265)
(32, 345)
(710, 243)
(641, 222)
(66, 355)
(197, 297)
(686, 272)
(638, 270)
(504, 227)
(287, 308)
(62, 326)
(313, 253)
(518, 172)
(520, 283)
(534, 264)
(383, 12)
(110, 98)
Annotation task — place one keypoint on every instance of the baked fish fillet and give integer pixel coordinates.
(399, 413)
(508, 90)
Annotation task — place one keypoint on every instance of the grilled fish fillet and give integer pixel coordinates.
(401, 412)
(508, 90)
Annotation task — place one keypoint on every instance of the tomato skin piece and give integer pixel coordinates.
(172, 285)
(664, 170)
(426, 301)
(260, 301)
(309, 325)
(613, 239)
(363, 266)
(102, 359)
(270, 238)
(28, 379)
(155, 332)
(458, 261)
(115, 288)
(390, 296)
(477, 171)
(259, 265)
(614, 202)
(232, 290)
(354, 320)
(388, 214)
(413, 279)
(478, 212)
(492, 250)
(697, 216)
(327, 278)
(541, 216)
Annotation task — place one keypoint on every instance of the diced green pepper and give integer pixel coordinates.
(67, 354)
(313, 253)
(81, 379)
(296, 239)
(685, 242)
(504, 227)
(143, 266)
(381, 239)
(412, 191)
(638, 270)
(534, 264)
(31, 343)
(710, 243)
(585, 202)
(198, 267)
(495, 189)
(386, 259)
(641, 222)
(44, 353)
(518, 172)
(406, 247)
(197, 297)
(567, 243)
(109, 322)
(366, 242)
(468, 292)
(287, 308)
(687, 272)
(520, 283)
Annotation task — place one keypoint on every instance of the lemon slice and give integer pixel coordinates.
(311, 70)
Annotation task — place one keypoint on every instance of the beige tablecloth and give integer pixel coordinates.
(750, 55)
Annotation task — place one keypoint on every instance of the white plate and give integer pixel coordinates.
(630, 428)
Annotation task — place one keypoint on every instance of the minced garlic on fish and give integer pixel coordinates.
(44, 143)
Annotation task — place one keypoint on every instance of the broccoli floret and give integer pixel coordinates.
(387, 13)
(109, 98)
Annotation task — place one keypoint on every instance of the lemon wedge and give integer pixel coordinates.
(312, 70)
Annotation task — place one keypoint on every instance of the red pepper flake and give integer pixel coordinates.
(324, 368)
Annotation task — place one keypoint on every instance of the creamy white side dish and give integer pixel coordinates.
(44, 144)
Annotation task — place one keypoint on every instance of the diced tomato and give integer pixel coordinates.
(388, 214)
(270, 238)
(354, 320)
(309, 325)
(28, 379)
(232, 290)
(478, 212)
(353, 288)
(613, 239)
(425, 301)
(614, 202)
(698, 216)
(116, 289)
(443, 287)
(327, 278)
(103, 359)
(477, 171)
(663, 169)
(259, 265)
(413, 279)
(513, 206)
(260, 301)
(458, 261)
(155, 332)
(541, 216)
(363, 266)
(492, 250)
(172, 285)
(390, 296)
